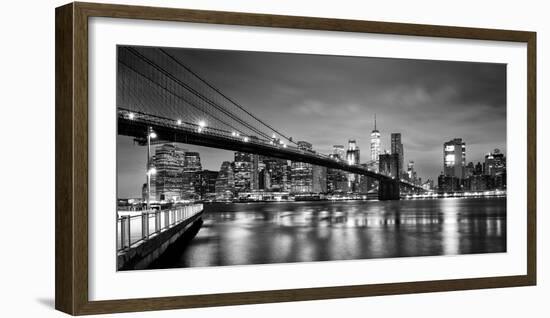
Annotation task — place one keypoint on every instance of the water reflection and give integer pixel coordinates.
(260, 233)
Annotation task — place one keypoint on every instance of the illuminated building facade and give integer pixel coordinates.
(255, 172)
(169, 161)
(352, 158)
(225, 181)
(495, 163)
(337, 181)
(397, 148)
(242, 171)
(278, 172)
(448, 183)
(375, 145)
(454, 158)
(352, 155)
(338, 152)
(207, 180)
(411, 173)
(302, 173)
(191, 182)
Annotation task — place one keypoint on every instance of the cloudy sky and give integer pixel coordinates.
(327, 100)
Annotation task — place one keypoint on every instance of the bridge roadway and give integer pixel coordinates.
(136, 124)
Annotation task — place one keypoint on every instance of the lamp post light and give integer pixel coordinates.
(150, 171)
(150, 135)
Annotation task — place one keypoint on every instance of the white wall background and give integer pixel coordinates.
(27, 158)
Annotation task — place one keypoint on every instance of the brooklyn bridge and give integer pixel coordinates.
(158, 92)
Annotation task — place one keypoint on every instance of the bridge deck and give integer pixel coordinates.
(136, 125)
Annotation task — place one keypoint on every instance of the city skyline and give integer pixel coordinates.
(128, 179)
(447, 100)
(323, 158)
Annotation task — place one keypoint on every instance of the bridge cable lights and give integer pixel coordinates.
(202, 124)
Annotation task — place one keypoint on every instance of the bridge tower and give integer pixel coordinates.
(388, 190)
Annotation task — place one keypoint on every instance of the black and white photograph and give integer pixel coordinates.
(231, 157)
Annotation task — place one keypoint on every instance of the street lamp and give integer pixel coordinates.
(150, 170)
(131, 116)
(179, 122)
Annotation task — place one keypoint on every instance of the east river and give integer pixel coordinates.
(282, 232)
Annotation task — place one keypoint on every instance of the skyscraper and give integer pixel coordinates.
(469, 170)
(319, 179)
(169, 161)
(454, 158)
(411, 174)
(254, 172)
(352, 158)
(397, 148)
(495, 163)
(225, 183)
(337, 181)
(207, 182)
(302, 173)
(375, 145)
(277, 171)
(339, 152)
(191, 175)
(352, 155)
(243, 171)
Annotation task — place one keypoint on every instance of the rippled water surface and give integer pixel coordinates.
(261, 233)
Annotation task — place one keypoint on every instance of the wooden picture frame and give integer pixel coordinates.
(71, 220)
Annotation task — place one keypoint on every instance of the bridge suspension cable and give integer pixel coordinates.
(159, 70)
(176, 95)
(232, 101)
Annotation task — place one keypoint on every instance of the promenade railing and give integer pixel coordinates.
(136, 227)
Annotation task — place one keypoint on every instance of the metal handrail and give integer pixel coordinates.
(129, 235)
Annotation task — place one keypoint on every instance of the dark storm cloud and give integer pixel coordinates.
(327, 100)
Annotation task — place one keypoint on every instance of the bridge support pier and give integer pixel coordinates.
(388, 190)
